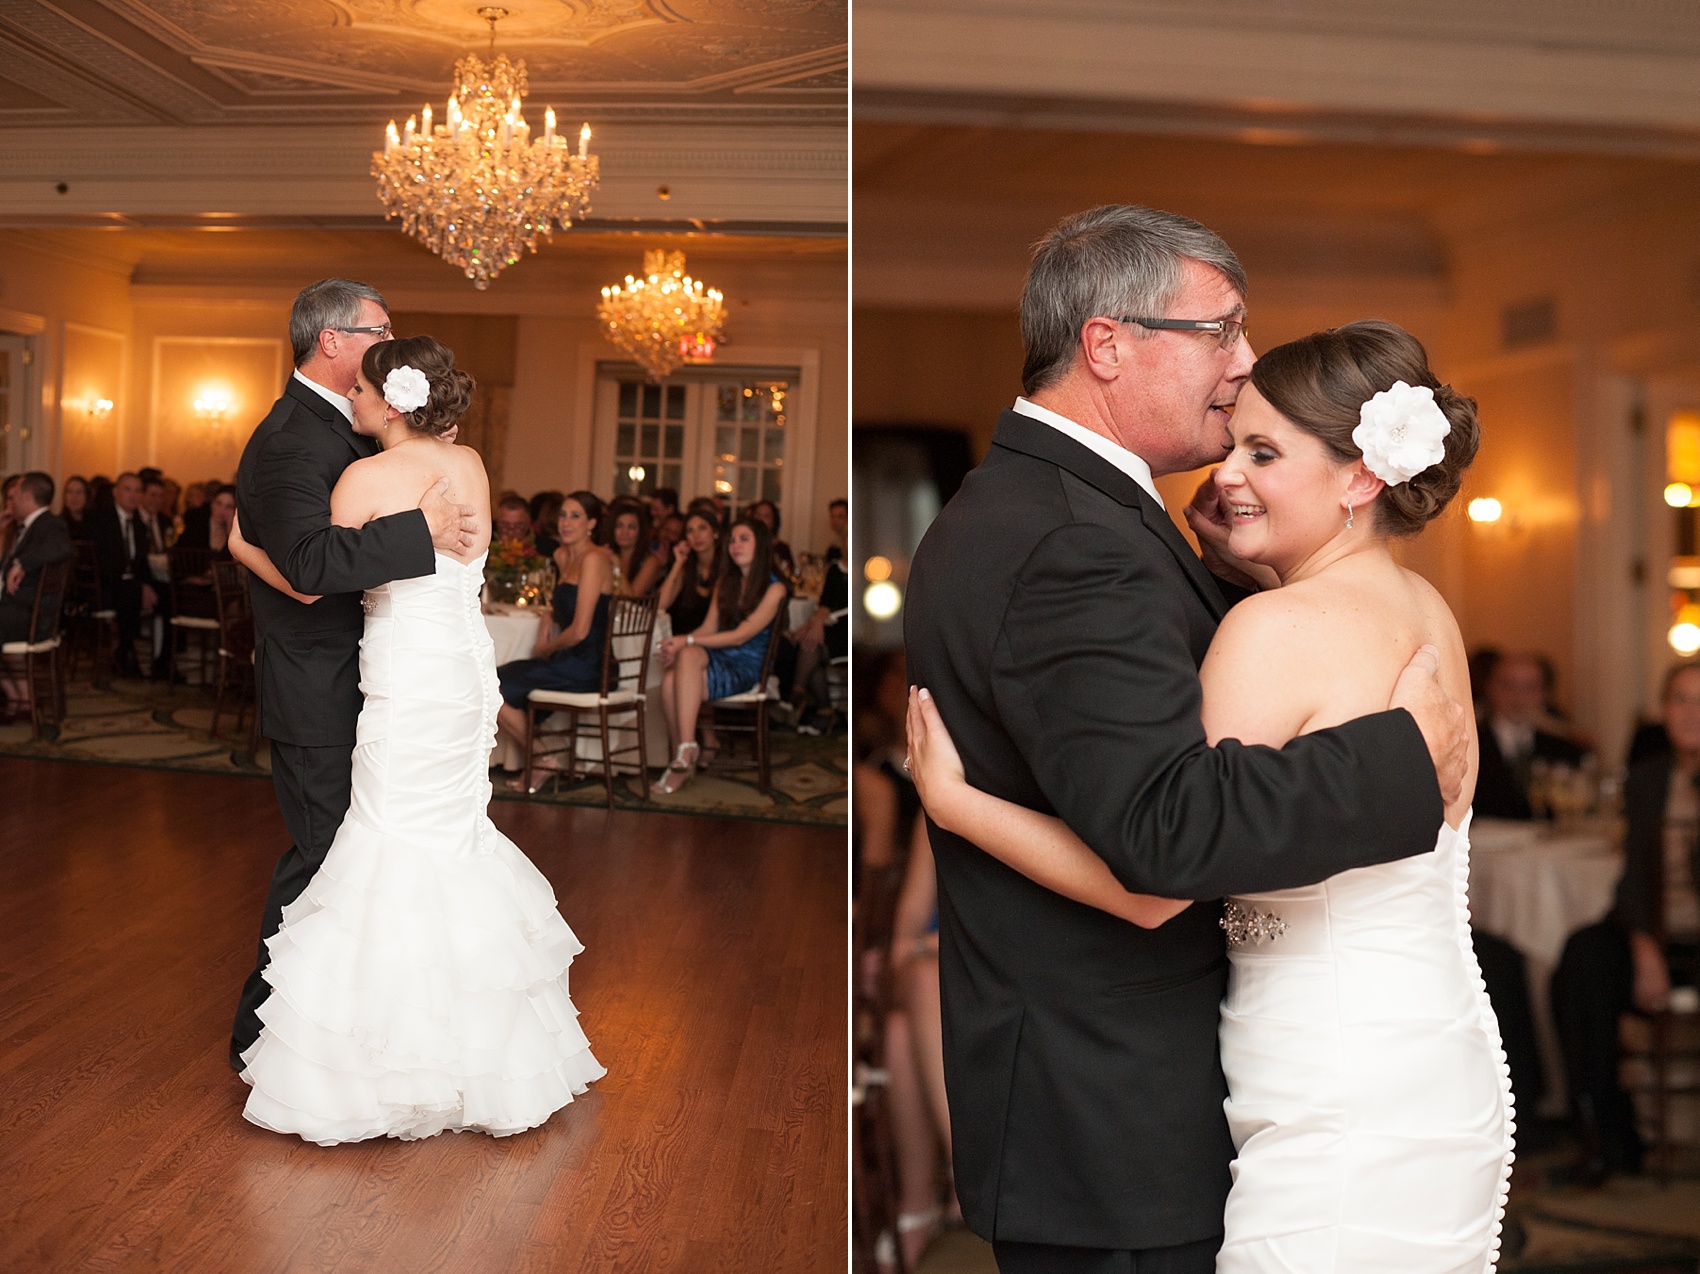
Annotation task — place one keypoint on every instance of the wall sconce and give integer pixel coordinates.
(212, 406)
(98, 408)
(1485, 509)
(1684, 636)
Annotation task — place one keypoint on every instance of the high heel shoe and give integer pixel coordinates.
(679, 773)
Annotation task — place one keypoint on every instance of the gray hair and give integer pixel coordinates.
(1111, 260)
(327, 303)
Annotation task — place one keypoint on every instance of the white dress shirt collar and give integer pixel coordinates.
(1117, 455)
(334, 399)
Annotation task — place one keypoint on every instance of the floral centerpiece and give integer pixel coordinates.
(515, 572)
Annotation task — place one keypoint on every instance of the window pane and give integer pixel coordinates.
(752, 405)
(775, 445)
(625, 440)
(749, 446)
(675, 402)
(726, 402)
(651, 441)
(725, 443)
(746, 482)
(670, 476)
(628, 397)
(770, 484)
(651, 401)
(674, 440)
(621, 481)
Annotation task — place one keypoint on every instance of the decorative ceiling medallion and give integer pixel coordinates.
(539, 24)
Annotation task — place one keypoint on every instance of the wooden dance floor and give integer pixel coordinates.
(712, 987)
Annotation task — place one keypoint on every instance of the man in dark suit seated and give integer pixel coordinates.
(1649, 942)
(1512, 740)
(122, 541)
(41, 539)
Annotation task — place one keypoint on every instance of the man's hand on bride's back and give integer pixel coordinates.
(454, 527)
(1443, 721)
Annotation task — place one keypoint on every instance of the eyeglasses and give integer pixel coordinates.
(382, 332)
(1226, 331)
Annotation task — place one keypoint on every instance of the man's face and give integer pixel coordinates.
(1682, 711)
(153, 498)
(127, 494)
(350, 347)
(1517, 691)
(838, 517)
(1180, 387)
(512, 524)
(18, 503)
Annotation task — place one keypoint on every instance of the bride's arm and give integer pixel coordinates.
(258, 561)
(1039, 846)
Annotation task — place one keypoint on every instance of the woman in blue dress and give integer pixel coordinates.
(724, 656)
(568, 655)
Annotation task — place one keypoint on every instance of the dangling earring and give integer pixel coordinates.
(1349, 512)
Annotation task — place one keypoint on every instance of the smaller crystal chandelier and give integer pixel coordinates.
(478, 190)
(663, 318)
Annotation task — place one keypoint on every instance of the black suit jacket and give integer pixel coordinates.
(45, 540)
(1498, 793)
(307, 658)
(1059, 619)
(117, 564)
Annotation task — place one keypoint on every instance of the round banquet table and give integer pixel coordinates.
(1534, 884)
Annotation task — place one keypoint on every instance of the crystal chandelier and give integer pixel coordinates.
(664, 317)
(478, 189)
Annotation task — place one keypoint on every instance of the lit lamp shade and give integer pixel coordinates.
(1684, 635)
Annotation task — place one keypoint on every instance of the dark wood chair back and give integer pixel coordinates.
(50, 590)
(625, 659)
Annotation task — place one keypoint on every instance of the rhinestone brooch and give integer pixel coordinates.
(368, 604)
(1247, 927)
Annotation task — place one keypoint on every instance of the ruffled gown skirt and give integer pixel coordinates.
(420, 981)
(1369, 1097)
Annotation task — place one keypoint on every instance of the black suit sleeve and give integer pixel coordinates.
(50, 542)
(315, 557)
(1093, 675)
(1645, 790)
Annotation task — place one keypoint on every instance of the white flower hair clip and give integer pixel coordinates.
(1401, 432)
(407, 389)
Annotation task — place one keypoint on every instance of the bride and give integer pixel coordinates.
(1369, 1100)
(419, 983)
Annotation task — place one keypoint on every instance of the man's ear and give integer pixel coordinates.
(1100, 348)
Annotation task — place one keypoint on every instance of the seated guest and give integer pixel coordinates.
(512, 522)
(663, 504)
(1512, 738)
(122, 543)
(8, 524)
(825, 637)
(690, 584)
(1649, 942)
(545, 513)
(155, 514)
(211, 529)
(670, 531)
(568, 655)
(74, 507)
(41, 539)
(766, 511)
(838, 517)
(637, 570)
(724, 656)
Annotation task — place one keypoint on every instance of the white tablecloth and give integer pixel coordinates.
(513, 632)
(1534, 884)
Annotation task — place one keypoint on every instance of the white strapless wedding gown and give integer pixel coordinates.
(1369, 1097)
(420, 982)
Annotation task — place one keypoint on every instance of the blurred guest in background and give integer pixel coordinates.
(1516, 737)
(766, 511)
(637, 570)
(122, 543)
(511, 522)
(663, 504)
(695, 573)
(211, 531)
(74, 507)
(838, 517)
(669, 532)
(40, 538)
(545, 513)
(1649, 943)
(154, 515)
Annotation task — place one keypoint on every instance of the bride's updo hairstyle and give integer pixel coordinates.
(451, 388)
(1319, 382)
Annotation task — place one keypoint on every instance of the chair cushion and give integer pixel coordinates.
(748, 698)
(194, 621)
(564, 699)
(29, 647)
(104, 614)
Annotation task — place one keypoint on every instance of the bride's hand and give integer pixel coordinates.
(1209, 522)
(934, 763)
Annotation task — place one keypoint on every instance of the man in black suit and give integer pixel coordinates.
(121, 543)
(1059, 618)
(1511, 738)
(307, 658)
(41, 539)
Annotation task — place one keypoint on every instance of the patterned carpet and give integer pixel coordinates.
(140, 723)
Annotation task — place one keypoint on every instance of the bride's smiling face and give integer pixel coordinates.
(1283, 491)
